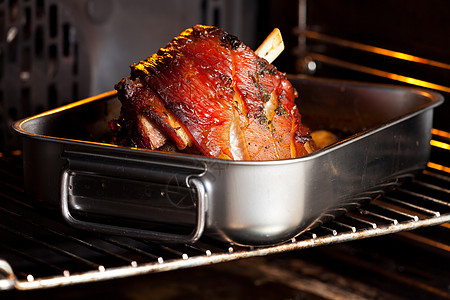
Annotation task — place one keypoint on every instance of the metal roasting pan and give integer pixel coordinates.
(69, 164)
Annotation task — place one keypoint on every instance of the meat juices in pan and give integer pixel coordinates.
(206, 92)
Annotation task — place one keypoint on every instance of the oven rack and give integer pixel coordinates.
(319, 48)
(38, 250)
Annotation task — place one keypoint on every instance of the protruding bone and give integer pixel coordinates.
(271, 47)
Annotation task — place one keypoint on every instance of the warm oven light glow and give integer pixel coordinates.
(438, 144)
(438, 167)
(441, 133)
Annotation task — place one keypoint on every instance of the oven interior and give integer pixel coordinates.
(395, 247)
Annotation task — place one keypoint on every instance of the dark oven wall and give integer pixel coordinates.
(417, 28)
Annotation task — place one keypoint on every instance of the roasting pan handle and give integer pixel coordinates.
(192, 182)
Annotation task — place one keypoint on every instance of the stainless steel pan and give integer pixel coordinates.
(69, 163)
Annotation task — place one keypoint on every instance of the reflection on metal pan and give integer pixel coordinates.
(385, 132)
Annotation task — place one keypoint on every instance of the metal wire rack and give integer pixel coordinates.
(38, 250)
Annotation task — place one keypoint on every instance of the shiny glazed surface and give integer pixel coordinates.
(226, 101)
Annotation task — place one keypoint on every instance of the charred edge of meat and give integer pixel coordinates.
(124, 133)
(119, 131)
(165, 55)
(152, 63)
(302, 135)
(230, 41)
(266, 68)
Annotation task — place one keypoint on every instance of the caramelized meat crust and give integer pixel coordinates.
(207, 90)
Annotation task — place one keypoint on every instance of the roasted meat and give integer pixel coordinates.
(208, 92)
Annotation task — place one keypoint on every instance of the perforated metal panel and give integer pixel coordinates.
(40, 64)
